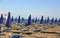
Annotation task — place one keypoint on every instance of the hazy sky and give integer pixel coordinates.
(36, 8)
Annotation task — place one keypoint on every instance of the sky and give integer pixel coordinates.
(36, 8)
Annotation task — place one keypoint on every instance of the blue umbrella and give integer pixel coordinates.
(19, 19)
(41, 21)
(29, 20)
(1, 19)
(8, 22)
